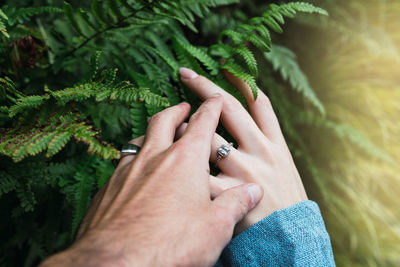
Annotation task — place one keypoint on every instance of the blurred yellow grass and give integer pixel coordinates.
(359, 82)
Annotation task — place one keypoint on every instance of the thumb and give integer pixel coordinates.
(239, 200)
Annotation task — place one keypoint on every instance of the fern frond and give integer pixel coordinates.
(7, 183)
(99, 11)
(239, 72)
(22, 14)
(26, 197)
(3, 29)
(201, 56)
(125, 92)
(272, 18)
(27, 102)
(57, 143)
(344, 132)
(69, 14)
(114, 9)
(82, 190)
(84, 133)
(9, 86)
(139, 119)
(40, 141)
(186, 59)
(284, 61)
(94, 66)
(249, 58)
(258, 34)
(53, 137)
(20, 150)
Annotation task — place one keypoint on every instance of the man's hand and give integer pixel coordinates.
(156, 209)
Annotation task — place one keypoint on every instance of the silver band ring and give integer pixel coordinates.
(129, 149)
(222, 152)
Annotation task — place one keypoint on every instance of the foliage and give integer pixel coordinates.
(60, 99)
(356, 77)
(284, 60)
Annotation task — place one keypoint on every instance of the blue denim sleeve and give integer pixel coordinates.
(294, 236)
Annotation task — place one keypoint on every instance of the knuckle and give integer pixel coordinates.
(231, 104)
(263, 101)
(156, 118)
(267, 150)
(184, 147)
(137, 141)
(209, 105)
(195, 116)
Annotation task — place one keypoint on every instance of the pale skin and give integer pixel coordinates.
(162, 207)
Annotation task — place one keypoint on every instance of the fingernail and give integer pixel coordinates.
(255, 192)
(187, 74)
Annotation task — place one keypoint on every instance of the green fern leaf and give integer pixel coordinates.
(284, 61)
(57, 143)
(185, 59)
(3, 28)
(94, 65)
(304, 7)
(248, 58)
(25, 13)
(125, 4)
(20, 152)
(201, 56)
(40, 143)
(85, 17)
(139, 119)
(99, 12)
(114, 8)
(69, 14)
(236, 37)
(239, 72)
(27, 103)
(270, 21)
(26, 197)
(81, 198)
(7, 183)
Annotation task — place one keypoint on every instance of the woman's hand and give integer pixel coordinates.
(156, 208)
(262, 155)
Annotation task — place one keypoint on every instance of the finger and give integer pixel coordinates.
(231, 165)
(202, 125)
(260, 109)
(234, 116)
(236, 202)
(161, 129)
(221, 183)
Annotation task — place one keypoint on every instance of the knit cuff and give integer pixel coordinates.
(294, 236)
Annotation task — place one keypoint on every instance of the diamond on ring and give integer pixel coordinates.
(223, 151)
